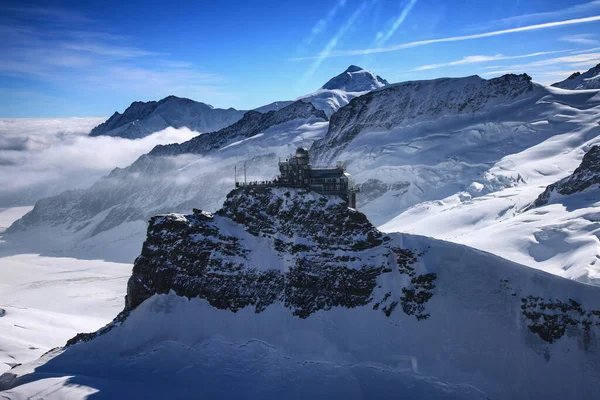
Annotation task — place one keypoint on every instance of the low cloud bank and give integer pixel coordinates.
(43, 157)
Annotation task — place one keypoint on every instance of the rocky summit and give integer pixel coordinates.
(307, 251)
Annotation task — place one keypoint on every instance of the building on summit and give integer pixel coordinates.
(297, 172)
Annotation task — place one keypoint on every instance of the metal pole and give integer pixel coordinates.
(245, 182)
(235, 174)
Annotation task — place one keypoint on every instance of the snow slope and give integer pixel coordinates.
(141, 119)
(410, 316)
(578, 81)
(44, 301)
(560, 238)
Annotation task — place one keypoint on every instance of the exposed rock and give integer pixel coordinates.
(586, 175)
(327, 255)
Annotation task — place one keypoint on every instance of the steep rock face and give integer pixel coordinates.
(419, 101)
(143, 118)
(586, 175)
(578, 81)
(323, 255)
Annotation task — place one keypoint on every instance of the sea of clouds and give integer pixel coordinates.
(43, 157)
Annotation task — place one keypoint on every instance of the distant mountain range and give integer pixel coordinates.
(410, 146)
(144, 118)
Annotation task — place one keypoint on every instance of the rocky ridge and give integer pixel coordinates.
(585, 176)
(581, 81)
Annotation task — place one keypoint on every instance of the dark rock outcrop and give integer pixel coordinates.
(586, 175)
(306, 251)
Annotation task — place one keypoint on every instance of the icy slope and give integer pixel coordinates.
(44, 301)
(143, 118)
(586, 176)
(578, 81)
(559, 237)
(339, 90)
(281, 306)
(426, 140)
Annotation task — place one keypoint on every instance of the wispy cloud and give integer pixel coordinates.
(547, 25)
(322, 24)
(333, 42)
(585, 38)
(540, 16)
(550, 70)
(586, 58)
(383, 37)
(481, 58)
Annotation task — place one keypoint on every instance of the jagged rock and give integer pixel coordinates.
(326, 255)
(586, 175)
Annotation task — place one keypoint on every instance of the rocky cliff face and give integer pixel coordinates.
(143, 118)
(304, 250)
(585, 176)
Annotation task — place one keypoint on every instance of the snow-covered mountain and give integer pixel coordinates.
(578, 81)
(141, 119)
(339, 90)
(407, 144)
(493, 213)
(287, 293)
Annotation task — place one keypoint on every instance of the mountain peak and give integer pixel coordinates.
(353, 68)
(581, 81)
(355, 79)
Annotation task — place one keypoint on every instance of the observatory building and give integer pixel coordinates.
(297, 172)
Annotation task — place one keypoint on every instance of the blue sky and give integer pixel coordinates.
(91, 58)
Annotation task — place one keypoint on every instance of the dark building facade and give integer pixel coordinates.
(297, 172)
